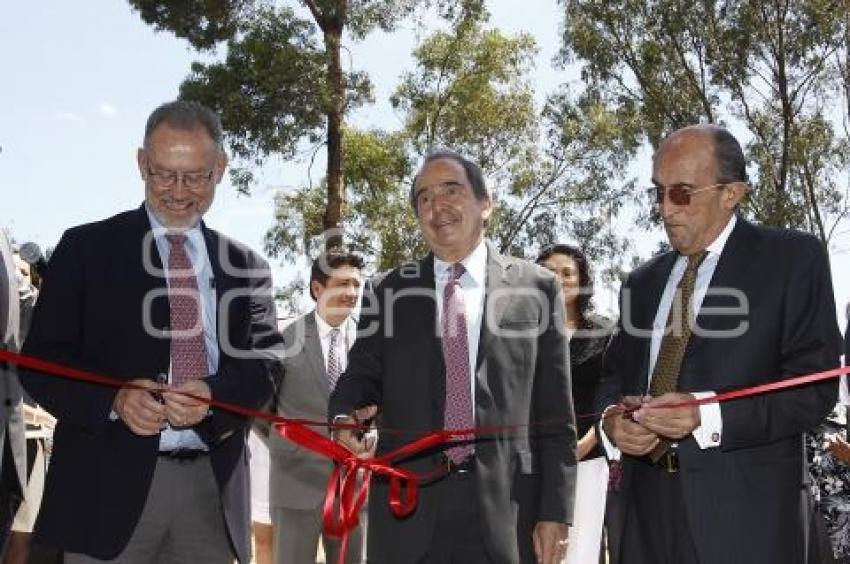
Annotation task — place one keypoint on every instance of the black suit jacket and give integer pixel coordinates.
(587, 351)
(522, 375)
(102, 309)
(743, 498)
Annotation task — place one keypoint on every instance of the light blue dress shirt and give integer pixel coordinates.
(196, 248)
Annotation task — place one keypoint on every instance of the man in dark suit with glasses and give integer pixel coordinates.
(154, 297)
(732, 305)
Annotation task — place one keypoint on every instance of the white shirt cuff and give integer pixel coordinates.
(611, 451)
(710, 430)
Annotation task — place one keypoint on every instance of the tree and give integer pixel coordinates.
(470, 91)
(379, 223)
(778, 68)
(282, 79)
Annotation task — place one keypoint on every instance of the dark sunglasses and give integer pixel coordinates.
(679, 194)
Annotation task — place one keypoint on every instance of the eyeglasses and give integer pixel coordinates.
(191, 180)
(679, 194)
(450, 190)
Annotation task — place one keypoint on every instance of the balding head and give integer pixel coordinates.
(700, 178)
(727, 152)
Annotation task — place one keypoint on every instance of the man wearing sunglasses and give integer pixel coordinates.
(732, 305)
(154, 297)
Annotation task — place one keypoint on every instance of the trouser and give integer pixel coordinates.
(182, 521)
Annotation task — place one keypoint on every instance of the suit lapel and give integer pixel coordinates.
(147, 275)
(496, 301)
(731, 271)
(432, 343)
(217, 254)
(644, 319)
(313, 352)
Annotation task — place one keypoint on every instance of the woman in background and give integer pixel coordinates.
(589, 335)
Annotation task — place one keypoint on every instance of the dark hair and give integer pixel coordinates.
(328, 261)
(731, 164)
(185, 115)
(585, 280)
(472, 170)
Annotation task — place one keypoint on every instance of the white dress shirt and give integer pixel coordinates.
(710, 431)
(347, 330)
(472, 284)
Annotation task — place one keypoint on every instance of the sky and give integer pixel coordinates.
(80, 79)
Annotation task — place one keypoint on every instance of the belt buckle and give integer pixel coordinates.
(460, 468)
(671, 461)
(181, 455)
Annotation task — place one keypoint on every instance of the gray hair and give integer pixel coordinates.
(472, 170)
(731, 164)
(186, 115)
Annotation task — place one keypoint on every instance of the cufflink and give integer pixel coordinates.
(715, 437)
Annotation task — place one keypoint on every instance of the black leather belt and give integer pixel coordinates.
(461, 468)
(183, 454)
(669, 461)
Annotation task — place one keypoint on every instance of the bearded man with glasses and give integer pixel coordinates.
(152, 296)
(732, 305)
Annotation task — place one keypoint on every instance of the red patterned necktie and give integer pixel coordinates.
(458, 408)
(188, 350)
(334, 367)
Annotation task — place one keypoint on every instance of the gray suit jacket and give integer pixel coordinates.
(299, 477)
(11, 396)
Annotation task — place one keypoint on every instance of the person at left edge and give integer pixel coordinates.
(153, 293)
(13, 450)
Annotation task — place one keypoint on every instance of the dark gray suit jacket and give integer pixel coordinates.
(522, 375)
(742, 499)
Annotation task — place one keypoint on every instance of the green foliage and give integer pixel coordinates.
(470, 91)
(380, 224)
(202, 22)
(554, 171)
(268, 90)
(778, 68)
(281, 82)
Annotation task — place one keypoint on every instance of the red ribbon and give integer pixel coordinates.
(348, 486)
(343, 484)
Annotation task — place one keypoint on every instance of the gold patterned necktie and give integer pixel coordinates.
(665, 375)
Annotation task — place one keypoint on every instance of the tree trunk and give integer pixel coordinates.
(335, 113)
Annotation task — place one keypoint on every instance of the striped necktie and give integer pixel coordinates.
(334, 365)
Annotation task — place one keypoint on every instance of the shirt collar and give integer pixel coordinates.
(716, 247)
(325, 328)
(193, 234)
(475, 264)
